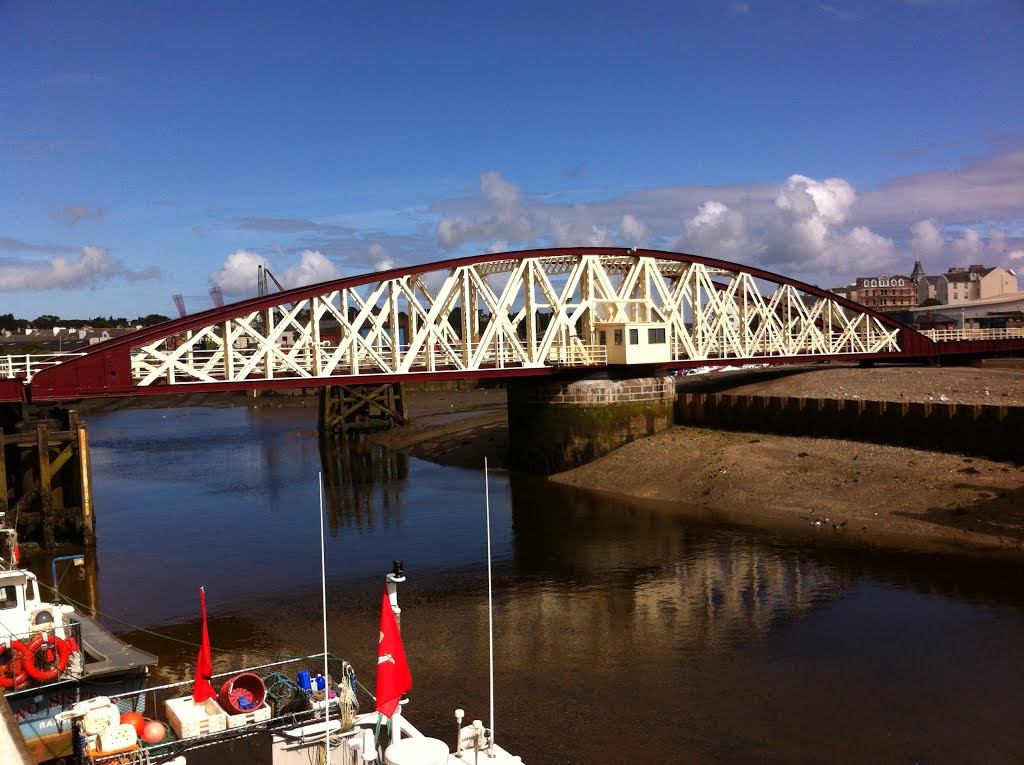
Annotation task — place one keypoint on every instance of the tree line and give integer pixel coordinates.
(48, 321)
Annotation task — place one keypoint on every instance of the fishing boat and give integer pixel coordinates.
(53, 657)
(291, 712)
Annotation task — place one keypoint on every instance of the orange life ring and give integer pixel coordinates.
(52, 641)
(12, 672)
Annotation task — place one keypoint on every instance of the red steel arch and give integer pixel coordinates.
(477, 316)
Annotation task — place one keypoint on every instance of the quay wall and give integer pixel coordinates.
(996, 432)
(558, 425)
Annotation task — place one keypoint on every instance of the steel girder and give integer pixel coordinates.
(492, 315)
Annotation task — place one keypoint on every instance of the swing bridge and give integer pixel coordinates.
(548, 312)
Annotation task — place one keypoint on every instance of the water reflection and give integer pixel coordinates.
(361, 481)
(611, 616)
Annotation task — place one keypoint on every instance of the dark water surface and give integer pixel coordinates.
(622, 634)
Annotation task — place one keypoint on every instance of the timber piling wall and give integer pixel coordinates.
(996, 432)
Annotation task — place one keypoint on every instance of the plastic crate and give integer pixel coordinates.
(259, 714)
(189, 719)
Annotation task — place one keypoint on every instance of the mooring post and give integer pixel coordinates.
(3, 473)
(45, 488)
(85, 470)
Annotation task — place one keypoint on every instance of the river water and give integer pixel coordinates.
(622, 633)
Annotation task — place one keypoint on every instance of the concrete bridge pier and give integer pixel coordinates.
(556, 425)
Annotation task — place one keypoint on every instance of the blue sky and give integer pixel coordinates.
(148, 149)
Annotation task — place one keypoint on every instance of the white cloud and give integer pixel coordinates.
(381, 258)
(91, 268)
(969, 246)
(312, 268)
(928, 240)
(716, 231)
(633, 231)
(238, 273)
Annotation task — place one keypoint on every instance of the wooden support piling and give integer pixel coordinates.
(362, 407)
(45, 483)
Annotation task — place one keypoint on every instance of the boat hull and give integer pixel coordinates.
(35, 709)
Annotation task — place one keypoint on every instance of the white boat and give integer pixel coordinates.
(291, 712)
(53, 656)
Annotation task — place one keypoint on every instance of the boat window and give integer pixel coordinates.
(634, 336)
(8, 597)
(618, 337)
(30, 590)
(656, 335)
(602, 338)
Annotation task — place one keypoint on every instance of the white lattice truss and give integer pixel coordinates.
(512, 313)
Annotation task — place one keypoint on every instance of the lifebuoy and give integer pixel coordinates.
(12, 672)
(51, 642)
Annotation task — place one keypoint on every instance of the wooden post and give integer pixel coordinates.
(85, 471)
(45, 489)
(3, 474)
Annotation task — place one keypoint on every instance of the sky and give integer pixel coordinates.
(160, 148)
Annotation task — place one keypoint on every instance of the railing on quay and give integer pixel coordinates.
(26, 366)
(950, 335)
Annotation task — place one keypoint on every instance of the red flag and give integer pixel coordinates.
(202, 690)
(393, 676)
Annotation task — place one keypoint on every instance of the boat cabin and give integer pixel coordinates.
(21, 608)
(627, 342)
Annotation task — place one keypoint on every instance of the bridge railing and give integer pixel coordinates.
(26, 366)
(949, 335)
(209, 365)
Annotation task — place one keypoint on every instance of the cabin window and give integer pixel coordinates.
(602, 337)
(30, 590)
(634, 336)
(656, 335)
(8, 597)
(618, 337)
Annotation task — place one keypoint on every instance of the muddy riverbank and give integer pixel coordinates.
(838, 491)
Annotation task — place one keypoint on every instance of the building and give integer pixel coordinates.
(966, 285)
(886, 293)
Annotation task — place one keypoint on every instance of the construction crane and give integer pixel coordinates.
(217, 295)
(262, 272)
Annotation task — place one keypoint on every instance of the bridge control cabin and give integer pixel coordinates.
(627, 342)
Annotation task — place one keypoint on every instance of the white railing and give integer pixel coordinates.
(948, 335)
(26, 366)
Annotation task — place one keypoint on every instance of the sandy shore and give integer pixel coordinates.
(835, 490)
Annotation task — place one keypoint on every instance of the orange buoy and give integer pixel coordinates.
(154, 732)
(134, 719)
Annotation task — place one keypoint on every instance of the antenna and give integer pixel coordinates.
(323, 593)
(490, 602)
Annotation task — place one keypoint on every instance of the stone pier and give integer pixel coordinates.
(556, 425)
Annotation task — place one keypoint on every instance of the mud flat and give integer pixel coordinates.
(840, 491)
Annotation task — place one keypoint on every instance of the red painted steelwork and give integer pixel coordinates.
(105, 369)
(12, 391)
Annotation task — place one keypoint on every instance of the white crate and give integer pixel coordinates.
(190, 719)
(259, 714)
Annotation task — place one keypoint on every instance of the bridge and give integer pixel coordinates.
(532, 313)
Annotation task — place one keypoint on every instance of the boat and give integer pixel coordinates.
(290, 712)
(53, 657)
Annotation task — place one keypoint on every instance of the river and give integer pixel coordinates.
(622, 632)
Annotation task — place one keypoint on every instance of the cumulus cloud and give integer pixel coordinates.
(312, 268)
(237, 275)
(928, 240)
(715, 230)
(633, 231)
(505, 217)
(380, 257)
(239, 272)
(91, 268)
